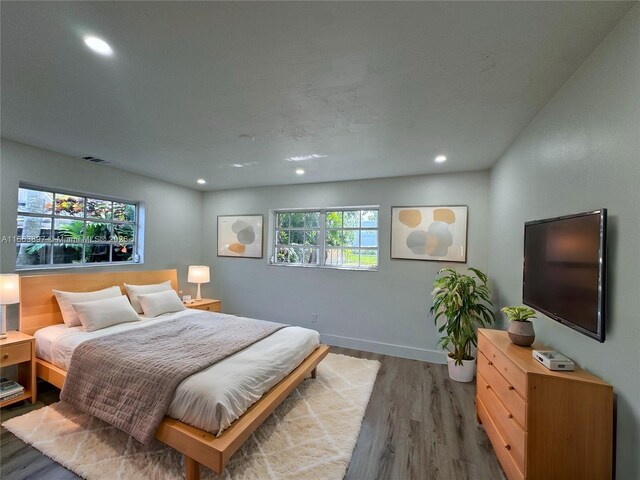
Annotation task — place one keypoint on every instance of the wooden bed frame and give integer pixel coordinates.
(39, 309)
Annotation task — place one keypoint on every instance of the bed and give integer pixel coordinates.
(207, 430)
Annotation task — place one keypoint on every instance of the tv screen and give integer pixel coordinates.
(565, 268)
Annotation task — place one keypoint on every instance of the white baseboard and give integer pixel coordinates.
(432, 356)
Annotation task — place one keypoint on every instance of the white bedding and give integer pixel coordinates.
(213, 398)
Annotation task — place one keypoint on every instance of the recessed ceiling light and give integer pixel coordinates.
(299, 171)
(301, 158)
(201, 181)
(98, 45)
(242, 165)
(441, 158)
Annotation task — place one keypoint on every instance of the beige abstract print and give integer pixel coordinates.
(437, 233)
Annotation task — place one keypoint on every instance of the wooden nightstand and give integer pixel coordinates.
(208, 304)
(20, 349)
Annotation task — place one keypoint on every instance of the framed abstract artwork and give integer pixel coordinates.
(434, 233)
(240, 236)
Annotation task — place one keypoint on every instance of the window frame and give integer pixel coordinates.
(322, 240)
(137, 255)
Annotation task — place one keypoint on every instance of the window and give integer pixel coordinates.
(57, 228)
(336, 238)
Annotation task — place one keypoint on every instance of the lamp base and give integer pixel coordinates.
(3, 332)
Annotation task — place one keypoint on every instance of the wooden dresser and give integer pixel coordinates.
(542, 424)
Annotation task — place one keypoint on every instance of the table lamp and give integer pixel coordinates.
(198, 274)
(9, 294)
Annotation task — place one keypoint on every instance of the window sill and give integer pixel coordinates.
(323, 267)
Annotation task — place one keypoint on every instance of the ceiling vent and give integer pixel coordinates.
(96, 160)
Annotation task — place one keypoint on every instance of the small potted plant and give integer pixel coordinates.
(463, 300)
(520, 328)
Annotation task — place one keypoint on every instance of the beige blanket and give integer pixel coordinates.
(128, 379)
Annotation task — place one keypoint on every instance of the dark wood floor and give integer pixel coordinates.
(419, 425)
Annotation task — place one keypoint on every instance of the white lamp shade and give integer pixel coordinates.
(9, 288)
(198, 274)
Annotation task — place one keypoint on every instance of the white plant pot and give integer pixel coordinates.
(461, 373)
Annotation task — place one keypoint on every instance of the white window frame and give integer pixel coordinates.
(137, 255)
(322, 247)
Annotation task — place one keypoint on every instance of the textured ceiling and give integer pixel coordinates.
(229, 91)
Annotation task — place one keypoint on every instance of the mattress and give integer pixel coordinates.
(213, 398)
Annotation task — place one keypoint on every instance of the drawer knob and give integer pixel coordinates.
(511, 388)
(487, 387)
(5, 356)
(509, 416)
(508, 447)
(490, 363)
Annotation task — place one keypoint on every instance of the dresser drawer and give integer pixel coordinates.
(207, 306)
(12, 354)
(214, 307)
(508, 428)
(508, 464)
(503, 390)
(512, 374)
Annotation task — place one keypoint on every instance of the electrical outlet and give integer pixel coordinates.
(314, 318)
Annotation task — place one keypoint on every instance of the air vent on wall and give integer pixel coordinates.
(96, 160)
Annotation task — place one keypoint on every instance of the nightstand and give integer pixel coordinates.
(20, 349)
(209, 304)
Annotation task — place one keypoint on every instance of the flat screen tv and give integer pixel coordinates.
(565, 270)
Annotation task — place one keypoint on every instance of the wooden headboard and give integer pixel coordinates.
(38, 305)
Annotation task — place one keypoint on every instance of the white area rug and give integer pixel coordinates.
(311, 435)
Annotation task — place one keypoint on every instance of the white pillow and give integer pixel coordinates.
(134, 290)
(154, 304)
(66, 299)
(105, 313)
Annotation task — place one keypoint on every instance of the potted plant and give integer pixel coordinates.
(520, 328)
(463, 299)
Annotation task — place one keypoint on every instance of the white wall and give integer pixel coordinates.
(384, 311)
(173, 229)
(582, 152)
